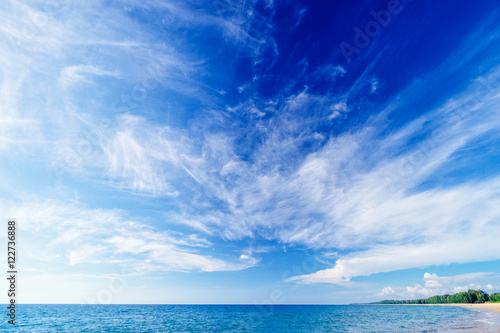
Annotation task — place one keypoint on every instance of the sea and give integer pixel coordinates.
(249, 318)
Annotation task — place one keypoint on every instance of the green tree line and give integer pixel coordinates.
(471, 296)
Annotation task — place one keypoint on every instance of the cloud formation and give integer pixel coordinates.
(109, 236)
(323, 158)
(78, 74)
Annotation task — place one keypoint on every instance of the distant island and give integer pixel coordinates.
(471, 296)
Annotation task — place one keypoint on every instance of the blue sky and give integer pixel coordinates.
(251, 151)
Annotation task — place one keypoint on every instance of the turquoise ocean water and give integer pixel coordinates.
(249, 318)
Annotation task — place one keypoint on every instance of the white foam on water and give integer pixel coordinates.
(488, 320)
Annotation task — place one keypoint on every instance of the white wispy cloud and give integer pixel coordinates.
(80, 74)
(338, 109)
(382, 208)
(358, 191)
(95, 236)
(374, 86)
(235, 19)
(354, 191)
(276, 178)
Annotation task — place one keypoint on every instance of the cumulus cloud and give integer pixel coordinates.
(432, 280)
(418, 291)
(386, 291)
(491, 288)
(444, 285)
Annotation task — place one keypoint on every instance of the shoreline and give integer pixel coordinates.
(486, 307)
(492, 308)
(495, 307)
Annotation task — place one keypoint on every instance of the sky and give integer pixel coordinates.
(250, 152)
